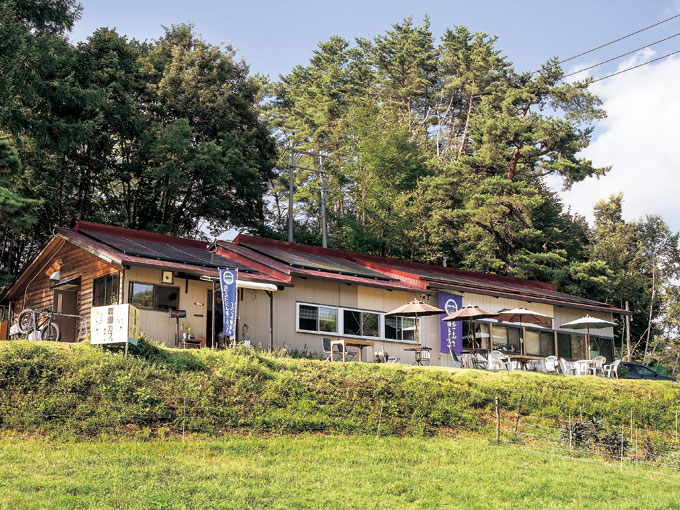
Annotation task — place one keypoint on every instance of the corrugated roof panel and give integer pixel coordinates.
(165, 251)
(315, 262)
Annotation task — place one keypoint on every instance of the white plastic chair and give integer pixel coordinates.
(425, 356)
(566, 367)
(551, 364)
(497, 361)
(598, 365)
(612, 368)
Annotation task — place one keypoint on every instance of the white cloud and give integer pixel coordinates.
(640, 138)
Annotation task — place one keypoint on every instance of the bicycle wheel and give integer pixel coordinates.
(50, 332)
(25, 321)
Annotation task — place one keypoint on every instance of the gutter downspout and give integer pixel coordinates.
(271, 319)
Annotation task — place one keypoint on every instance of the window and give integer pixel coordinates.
(532, 342)
(578, 346)
(318, 318)
(481, 335)
(155, 297)
(602, 347)
(400, 328)
(105, 290)
(564, 345)
(547, 343)
(358, 323)
(539, 343)
(350, 322)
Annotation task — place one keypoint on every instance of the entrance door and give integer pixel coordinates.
(218, 317)
(66, 301)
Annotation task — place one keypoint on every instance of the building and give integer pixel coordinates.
(291, 294)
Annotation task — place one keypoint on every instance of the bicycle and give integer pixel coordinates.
(42, 320)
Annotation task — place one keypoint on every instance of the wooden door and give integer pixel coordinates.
(66, 301)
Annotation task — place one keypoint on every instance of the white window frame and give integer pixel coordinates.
(341, 320)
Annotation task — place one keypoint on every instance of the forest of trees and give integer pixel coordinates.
(435, 147)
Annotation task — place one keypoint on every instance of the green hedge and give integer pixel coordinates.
(86, 391)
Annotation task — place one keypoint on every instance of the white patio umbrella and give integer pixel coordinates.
(416, 309)
(588, 323)
(523, 315)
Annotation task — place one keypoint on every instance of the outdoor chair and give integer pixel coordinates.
(612, 368)
(566, 367)
(497, 361)
(480, 360)
(337, 352)
(598, 365)
(551, 364)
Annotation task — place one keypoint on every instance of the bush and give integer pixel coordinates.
(83, 390)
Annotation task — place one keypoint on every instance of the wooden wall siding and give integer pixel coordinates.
(157, 324)
(74, 262)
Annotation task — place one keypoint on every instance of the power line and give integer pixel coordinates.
(622, 55)
(635, 67)
(617, 40)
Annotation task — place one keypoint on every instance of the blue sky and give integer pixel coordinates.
(639, 139)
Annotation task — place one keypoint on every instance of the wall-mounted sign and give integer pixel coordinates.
(167, 277)
(115, 324)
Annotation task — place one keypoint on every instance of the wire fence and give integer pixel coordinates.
(594, 440)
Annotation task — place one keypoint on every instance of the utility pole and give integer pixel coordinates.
(290, 196)
(322, 181)
(322, 178)
(628, 332)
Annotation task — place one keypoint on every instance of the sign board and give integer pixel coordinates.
(114, 324)
(451, 331)
(228, 279)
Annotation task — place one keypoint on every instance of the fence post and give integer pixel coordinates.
(184, 416)
(379, 419)
(636, 443)
(676, 425)
(519, 412)
(570, 431)
(631, 425)
(622, 447)
(498, 424)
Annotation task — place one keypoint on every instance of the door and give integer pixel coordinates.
(66, 301)
(217, 321)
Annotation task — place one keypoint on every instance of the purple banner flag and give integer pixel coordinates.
(451, 331)
(228, 279)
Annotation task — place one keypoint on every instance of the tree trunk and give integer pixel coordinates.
(651, 309)
(463, 141)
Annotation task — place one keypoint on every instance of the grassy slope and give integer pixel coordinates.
(80, 390)
(310, 471)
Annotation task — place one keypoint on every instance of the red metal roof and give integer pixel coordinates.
(427, 276)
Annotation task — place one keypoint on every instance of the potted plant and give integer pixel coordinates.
(187, 329)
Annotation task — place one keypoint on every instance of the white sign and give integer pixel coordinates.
(115, 324)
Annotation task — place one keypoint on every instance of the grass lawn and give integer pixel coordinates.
(314, 471)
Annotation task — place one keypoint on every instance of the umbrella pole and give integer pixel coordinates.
(472, 332)
(588, 341)
(417, 351)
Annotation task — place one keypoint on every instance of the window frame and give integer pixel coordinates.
(112, 276)
(341, 326)
(153, 296)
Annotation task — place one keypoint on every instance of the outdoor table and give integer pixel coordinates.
(417, 351)
(584, 366)
(522, 360)
(353, 342)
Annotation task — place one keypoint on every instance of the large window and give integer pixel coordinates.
(578, 346)
(481, 335)
(564, 345)
(539, 343)
(358, 323)
(105, 290)
(400, 328)
(506, 339)
(154, 297)
(351, 322)
(318, 318)
(600, 346)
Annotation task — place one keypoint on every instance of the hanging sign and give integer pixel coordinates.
(451, 331)
(228, 279)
